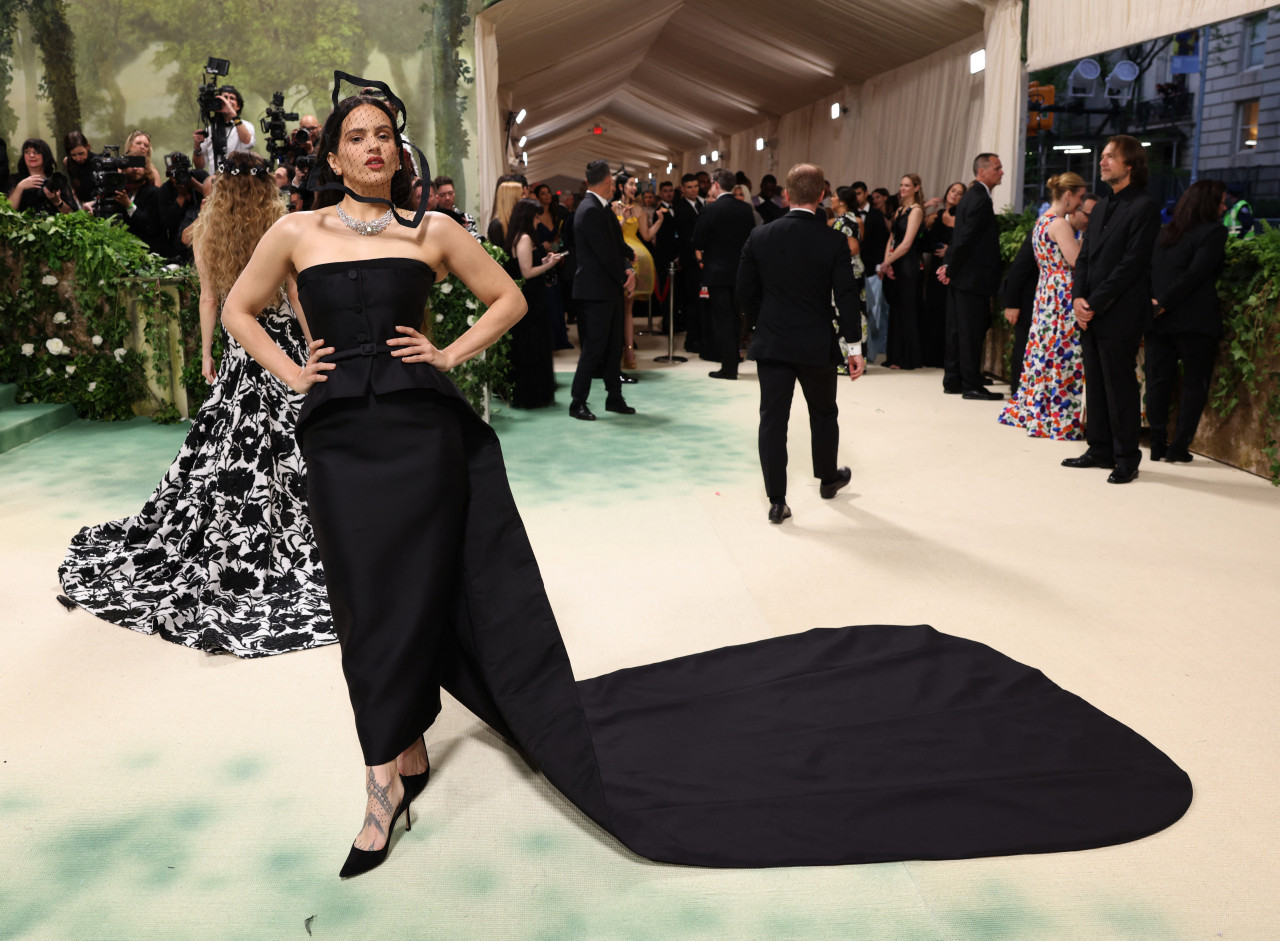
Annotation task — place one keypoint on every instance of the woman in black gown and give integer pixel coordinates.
(857, 744)
(905, 294)
(534, 377)
(933, 320)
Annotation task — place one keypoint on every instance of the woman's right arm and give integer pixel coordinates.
(255, 290)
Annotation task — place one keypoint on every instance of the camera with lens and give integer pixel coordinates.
(282, 146)
(177, 166)
(209, 100)
(106, 170)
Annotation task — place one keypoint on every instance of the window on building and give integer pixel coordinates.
(1255, 41)
(1247, 117)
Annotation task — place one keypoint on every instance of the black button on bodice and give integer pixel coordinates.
(362, 337)
(352, 273)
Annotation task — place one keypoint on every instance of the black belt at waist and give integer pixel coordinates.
(364, 349)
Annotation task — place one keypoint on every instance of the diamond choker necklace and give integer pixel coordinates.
(366, 228)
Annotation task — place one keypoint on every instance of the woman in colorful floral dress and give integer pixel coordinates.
(1049, 401)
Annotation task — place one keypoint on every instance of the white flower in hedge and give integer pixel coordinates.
(97, 340)
(55, 346)
(471, 305)
(48, 371)
(471, 321)
(49, 280)
(92, 386)
(439, 318)
(102, 282)
(28, 349)
(60, 317)
(170, 267)
(71, 370)
(119, 354)
(446, 288)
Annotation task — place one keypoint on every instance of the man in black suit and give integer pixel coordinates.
(1019, 290)
(718, 238)
(875, 239)
(767, 203)
(1111, 293)
(789, 271)
(688, 206)
(604, 274)
(666, 248)
(971, 270)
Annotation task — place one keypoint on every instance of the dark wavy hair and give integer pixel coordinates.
(46, 154)
(331, 136)
(1134, 155)
(521, 223)
(1198, 205)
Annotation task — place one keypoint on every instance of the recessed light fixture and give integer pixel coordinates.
(522, 142)
(835, 110)
(520, 116)
(759, 143)
(704, 159)
(977, 61)
(715, 155)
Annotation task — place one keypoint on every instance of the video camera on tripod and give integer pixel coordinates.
(209, 95)
(106, 170)
(281, 146)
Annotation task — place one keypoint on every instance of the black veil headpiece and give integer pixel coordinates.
(347, 86)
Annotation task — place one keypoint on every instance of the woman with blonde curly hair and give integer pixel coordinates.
(222, 557)
(144, 147)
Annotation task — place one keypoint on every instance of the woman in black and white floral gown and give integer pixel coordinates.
(222, 556)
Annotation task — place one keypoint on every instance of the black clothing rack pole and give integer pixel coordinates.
(671, 356)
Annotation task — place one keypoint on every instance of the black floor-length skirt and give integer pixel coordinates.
(387, 487)
(905, 299)
(849, 745)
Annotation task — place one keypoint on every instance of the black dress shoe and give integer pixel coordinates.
(843, 476)
(947, 391)
(983, 395)
(1086, 460)
(1175, 455)
(779, 512)
(627, 380)
(1158, 450)
(1122, 475)
(721, 374)
(620, 406)
(580, 411)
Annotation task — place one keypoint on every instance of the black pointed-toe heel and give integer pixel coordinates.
(361, 861)
(415, 784)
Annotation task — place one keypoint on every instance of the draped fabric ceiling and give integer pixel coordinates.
(670, 80)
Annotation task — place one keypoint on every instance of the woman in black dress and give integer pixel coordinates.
(933, 321)
(833, 746)
(905, 294)
(382, 431)
(534, 380)
(37, 187)
(1186, 321)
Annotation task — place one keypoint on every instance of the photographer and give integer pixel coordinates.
(38, 187)
(179, 203)
(238, 133)
(77, 150)
(140, 198)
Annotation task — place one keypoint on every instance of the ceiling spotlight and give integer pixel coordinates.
(524, 158)
(835, 110)
(977, 61)
(522, 142)
(759, 143)
(1083, 81)
(520, 116)
(704, 159)
(1146, 143)
(1120, 81)
(715, 155)
(669, 166)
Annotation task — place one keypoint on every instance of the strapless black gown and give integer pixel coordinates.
(857, 744)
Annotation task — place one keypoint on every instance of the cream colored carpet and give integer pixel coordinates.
(149, 791)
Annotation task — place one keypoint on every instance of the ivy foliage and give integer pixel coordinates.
(1250, 360)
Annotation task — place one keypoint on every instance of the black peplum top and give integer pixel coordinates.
(355, 307)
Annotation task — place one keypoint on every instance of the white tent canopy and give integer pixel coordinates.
(672, 80)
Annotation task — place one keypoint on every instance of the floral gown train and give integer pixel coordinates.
(1048, 403)
(222, 556)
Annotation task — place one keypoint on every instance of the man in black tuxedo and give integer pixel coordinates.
(718, 238)
(875, 239)
(666, 248)
(604, 274)
(789, 271)
(1111, 293)
(767, 203)
(971, 270)
(688, 206)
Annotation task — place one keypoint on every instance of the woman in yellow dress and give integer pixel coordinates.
(635, 227)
